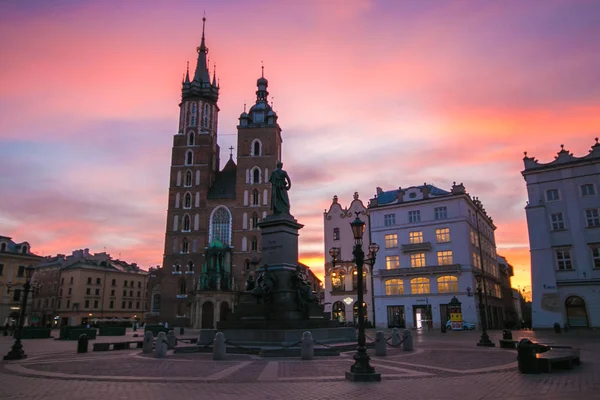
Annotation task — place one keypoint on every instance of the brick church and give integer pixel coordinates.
(212, 241)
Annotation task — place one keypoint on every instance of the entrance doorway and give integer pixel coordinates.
(422, 316)
(208, 315)
(396, 317)
(576, 312)
(339, 311)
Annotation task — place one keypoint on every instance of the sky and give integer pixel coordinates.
(369, 94)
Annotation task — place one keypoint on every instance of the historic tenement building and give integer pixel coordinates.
(563, 218)
(212, 241)
(341, 278)
(14, 258)
(433, 245)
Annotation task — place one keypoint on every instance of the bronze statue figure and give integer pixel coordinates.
(280, 184)
(264, 285)
(304, 293)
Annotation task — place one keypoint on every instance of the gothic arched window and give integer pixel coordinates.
(254, 222)
(254, 243)
(186, 223)
(256, 148)
(187, 202)
(256, 175)
(185, 246)
(191, 139)
(220, 225)
(255, 198)
(189, 157)
(206, 111)
(188, 178)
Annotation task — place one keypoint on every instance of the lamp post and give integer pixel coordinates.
(16, 352)
(361, 370)
(371, 258)
(485, 339)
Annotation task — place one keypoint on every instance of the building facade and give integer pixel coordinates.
(14, 258)
(511, 317)
(433, 245)
(341, 279)
(212, 241)
(82, 287)
(563, 219)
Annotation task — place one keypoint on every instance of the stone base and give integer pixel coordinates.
(278, 337)
(362, 377)
(486, 344)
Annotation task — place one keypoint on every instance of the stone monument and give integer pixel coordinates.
(278, 305)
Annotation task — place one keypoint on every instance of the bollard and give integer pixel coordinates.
(527, 362)
(308, 351)
(380, 344)
(148, 342)
(396, 337)
(407, 342)
(219, 347)
(160, 348)
(82, 343)
(171, 340)
(556, 327)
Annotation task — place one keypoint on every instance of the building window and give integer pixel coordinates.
(391, 241)
(190, 268)
(440, 212)
(419, 286)
(88, 291)
(444, 257)
(392, 262)
(552, 195)
(220, 225)
(87, 304)
(112, 292)
(69, 291)
(185, 246)
(255, 198)
(139, 294)
(417, 260)
(415, 237)
(563, 259)
(558, 223)
(124, 283)
(254, 221)
(337, 281)
(189, 157)
(98, 281)
(256, 148)
(89, 281)
(95, 303)
(394, 287)
(187, 201)
(97, 292)
(191, 139)
(137, 305)
(155, 303)
(256, 175)
(442, 235)
(114, 282)
(592, 217)
(414, 216)
(188, 179)
(254, 244)
(17, 295)
(140, 283)
(21, 271)
(124, 293)
(123, 305)
(447, 284)
(336, 233)
(186, 223)
(1, 269)
(111, 304)
(588, 190)
(596, 256)
(68, 304)
(193, 120)
(204, 120)
(389, 219)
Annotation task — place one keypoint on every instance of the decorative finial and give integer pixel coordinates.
(335, 199)
(355, 195)
(244, 106)
(562, 147)
(525, 153)
(596, 140)
(188, 67)
(262, 67)
(231, 152)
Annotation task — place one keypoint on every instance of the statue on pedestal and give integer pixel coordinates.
(280, 184)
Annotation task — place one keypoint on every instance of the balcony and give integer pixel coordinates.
(408, 248)
(429, 270)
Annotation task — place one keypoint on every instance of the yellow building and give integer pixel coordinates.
(82, 287)
(14, 259)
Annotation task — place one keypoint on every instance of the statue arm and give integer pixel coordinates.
(289, 181)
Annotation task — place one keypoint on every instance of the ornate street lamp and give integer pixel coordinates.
(485, 339)
(361, 370)
(16, 352)
(371, 258)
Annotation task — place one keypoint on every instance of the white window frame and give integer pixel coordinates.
(420, 285)
(595, 249)
(440, 212)
(415, 237)
(394, 287)
(587, 186)
(444, 257)
(442, 235)
(414, 216)
(391, 240)
(592, 218)
(552, 191)
(557, 221)
(389, 219)
(392, 262)
(418, 260)
(564, 260)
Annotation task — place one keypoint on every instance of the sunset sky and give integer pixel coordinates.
(368, 93)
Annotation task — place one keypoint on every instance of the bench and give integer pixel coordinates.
(561, 356)
(508, 344)
(117, 345)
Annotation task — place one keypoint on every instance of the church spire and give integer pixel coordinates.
(202, 76)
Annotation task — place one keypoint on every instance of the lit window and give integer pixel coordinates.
(596, 256)
(440, 213)
(417, 260)
(419, 286)
(414, 216)
(394, 287)
(415, 237)
(563, 259)
(442, 235)
(447, 284)
(336, 233)
(552, 195)
(588, 190)
(389, 219)
(444, 257)
(392, 262)
(337, 280)
(557, 221)
(391, 241)
(592, 217)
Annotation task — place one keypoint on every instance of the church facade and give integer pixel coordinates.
(212, 241)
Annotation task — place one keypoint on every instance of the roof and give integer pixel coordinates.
(389, 196)
(562, 158)
(224, 185)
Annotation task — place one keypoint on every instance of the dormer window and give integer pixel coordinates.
(24, 250)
